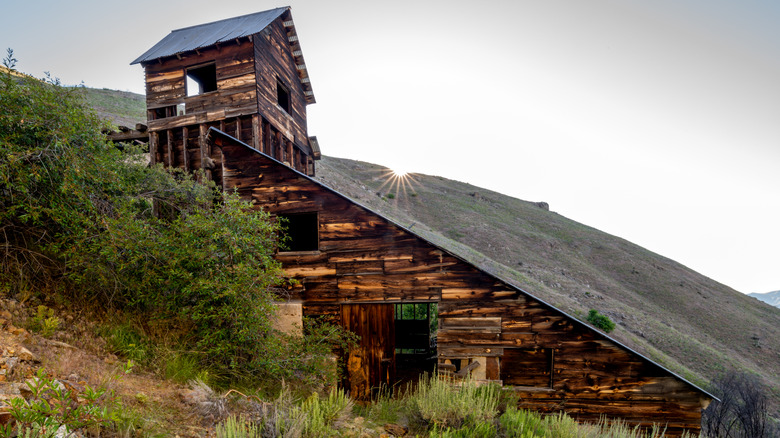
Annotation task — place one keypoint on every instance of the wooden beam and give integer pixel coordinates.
(267, 147)
(278, 146)
(256, 132)
(184, 135)
(202, 144)
(170, 148)
(153, 148)
(465, 370)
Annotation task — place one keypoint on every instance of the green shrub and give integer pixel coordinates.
(50, 407)
(200, 274)
(601, 321)
(480, 429)
(437, 403)
(44, 321)
(234, 427)
(126, 341)
(320, 414)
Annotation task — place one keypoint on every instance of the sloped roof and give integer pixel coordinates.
(214, 132)
(204, 35)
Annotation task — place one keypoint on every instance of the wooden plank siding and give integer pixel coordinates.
(364, 258)
(244, 103)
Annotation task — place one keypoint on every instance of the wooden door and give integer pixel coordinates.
(372, 363)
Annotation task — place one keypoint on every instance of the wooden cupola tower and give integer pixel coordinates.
(244, 76)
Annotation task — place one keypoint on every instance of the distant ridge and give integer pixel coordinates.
(771, 298)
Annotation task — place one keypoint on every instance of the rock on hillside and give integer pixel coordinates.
(771, 298)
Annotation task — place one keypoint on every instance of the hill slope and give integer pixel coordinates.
(677, 317)
(771, 298)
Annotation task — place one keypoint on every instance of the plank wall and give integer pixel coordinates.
(363, 258)
(243, 106)
(235, 94)
(274, 60)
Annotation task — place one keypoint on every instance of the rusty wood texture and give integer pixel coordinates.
(244, 105)
(372, 364)
(365, 260)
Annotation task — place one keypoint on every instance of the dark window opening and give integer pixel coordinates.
(163, 112)
(301, 232)
(202, 79)
(415, 328)
(528, 367)
(283, 96)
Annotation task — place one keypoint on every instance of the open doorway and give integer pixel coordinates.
(416, 325)
(397, 344)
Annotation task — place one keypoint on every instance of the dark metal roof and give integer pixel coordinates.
(203, 35)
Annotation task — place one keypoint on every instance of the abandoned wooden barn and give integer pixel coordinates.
(414, 304)
(244, 75)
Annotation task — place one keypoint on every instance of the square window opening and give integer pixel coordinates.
(416, 326)
(301, 232)
(201, 79)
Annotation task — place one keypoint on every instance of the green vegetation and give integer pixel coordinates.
(433, 407)
(185, 270)
(601, 321)
(44, 322)
(50, 407)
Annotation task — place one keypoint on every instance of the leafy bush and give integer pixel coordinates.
(50, 408)
(193, 263)
(601, 321)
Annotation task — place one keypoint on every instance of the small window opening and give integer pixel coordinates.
(201, 79)
(301, 232)
(163, 112)
(283, 96)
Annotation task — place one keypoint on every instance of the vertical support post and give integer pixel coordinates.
(170, 147)
(256, 133)
(267, 145)
(278, 146)
(184, 155)
(203, 150)
(153, 148)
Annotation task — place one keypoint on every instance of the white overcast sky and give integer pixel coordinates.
(657, 121)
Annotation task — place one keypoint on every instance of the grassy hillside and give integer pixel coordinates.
(677, 317)
(119, 107)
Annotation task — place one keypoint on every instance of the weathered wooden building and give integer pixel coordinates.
(244, 75)
(414, 304)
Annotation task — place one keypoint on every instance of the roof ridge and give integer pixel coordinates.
(216, 131)
(231, 18)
